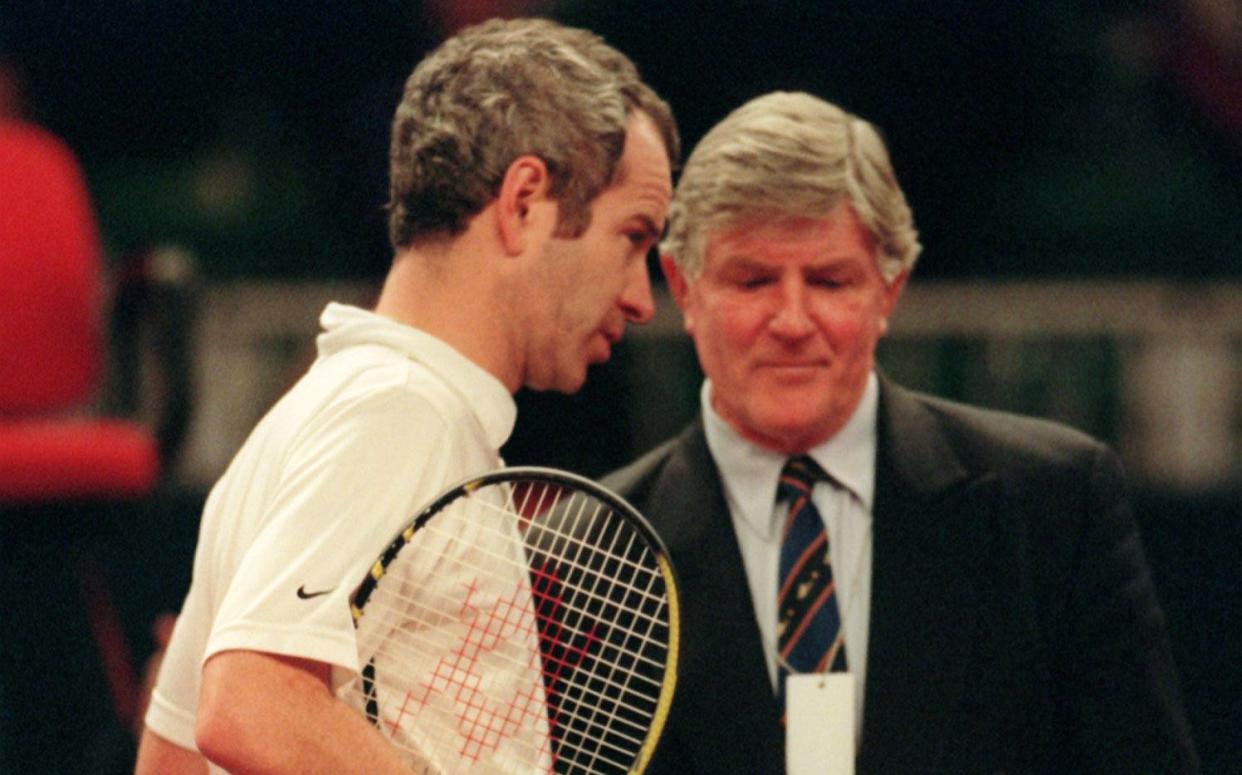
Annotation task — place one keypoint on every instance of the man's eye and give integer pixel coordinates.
(752, 283)
(827, 282)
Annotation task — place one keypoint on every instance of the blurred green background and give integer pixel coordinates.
(1059, 138)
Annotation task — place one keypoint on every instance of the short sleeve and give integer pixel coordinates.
(354, 476)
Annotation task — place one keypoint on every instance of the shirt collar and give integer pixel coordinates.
(491, 402)
(750, 472)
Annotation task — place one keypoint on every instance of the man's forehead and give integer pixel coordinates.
(839, 231)
(643, 171)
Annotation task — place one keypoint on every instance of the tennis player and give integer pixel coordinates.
(530, 174)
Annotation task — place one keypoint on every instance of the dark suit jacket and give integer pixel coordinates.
(1014, 627)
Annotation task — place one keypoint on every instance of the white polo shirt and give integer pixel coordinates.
(386, 418)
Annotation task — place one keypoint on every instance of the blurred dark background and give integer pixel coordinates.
(1058, 143)
(1057, 138)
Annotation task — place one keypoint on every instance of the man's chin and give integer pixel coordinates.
(789, 432)
(572, 386)
(564, 382)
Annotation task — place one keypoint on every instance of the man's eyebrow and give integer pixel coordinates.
(832, 263)
(743, 263)
(648, 225)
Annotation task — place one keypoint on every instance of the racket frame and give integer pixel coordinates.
(572, 483)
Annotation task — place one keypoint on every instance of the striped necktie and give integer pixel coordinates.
(809, 634)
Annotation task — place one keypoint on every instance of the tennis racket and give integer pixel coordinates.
(525, 621)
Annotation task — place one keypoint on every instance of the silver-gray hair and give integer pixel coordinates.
(500, 90)
(789, 155)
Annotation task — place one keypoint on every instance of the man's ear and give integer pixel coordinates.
(522, 201)
(678, 286)
(892, 292)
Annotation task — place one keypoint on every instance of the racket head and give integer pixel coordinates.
(573, 633)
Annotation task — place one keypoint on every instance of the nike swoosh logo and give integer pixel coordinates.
(302, 593)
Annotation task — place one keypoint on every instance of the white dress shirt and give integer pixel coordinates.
(749, 474)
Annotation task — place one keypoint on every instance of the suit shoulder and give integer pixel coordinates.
(1004, 435)
(636, 478)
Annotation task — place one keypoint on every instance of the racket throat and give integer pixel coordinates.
(369, 694)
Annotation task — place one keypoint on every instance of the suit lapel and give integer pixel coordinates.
(930, 518)
(724, 668)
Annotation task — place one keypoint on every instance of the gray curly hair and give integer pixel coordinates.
(789, 155)
(500, 90)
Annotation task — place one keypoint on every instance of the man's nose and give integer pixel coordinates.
(791, 319)
(636, 299)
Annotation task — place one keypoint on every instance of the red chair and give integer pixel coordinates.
(68, 473)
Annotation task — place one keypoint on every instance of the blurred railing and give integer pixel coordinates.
(1157, 364)
(1152, 367)
(254, 340)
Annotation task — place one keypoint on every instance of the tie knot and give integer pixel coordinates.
(798, 477)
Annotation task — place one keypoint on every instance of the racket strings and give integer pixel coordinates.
(407, 646)
(617, 752)
(422, 601)
(643, 568)
(642, 587)
(604, 710)
(445, 714)
(566, 713)
(396, 645)
(412, 604)
(575, 538)
(591, 598)
(603, 564)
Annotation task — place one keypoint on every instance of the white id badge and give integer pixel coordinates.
(819, 724)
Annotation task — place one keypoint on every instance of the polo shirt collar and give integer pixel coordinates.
(491, 402)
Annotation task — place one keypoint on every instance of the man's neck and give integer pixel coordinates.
(449, 291)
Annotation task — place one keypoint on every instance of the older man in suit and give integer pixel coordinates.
(978, 576)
